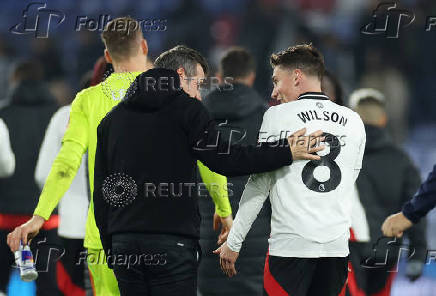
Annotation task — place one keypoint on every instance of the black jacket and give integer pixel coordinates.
(239, 114)
(26, 116)
(423, 201)
(146, 156)
(387, 180)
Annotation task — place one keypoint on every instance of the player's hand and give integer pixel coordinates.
(303, 146)
(225, 223)
(227, 259)
(395, 225)
(24, 232)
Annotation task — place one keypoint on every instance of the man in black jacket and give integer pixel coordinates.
(238, 111)
(145, 193)
(388, 178)
(26, 117)
(413, 210)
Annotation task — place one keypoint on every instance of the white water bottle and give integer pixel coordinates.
(24, 260)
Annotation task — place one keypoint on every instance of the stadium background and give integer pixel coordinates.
(403, 68)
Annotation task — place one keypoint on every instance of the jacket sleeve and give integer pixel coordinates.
(417, 234)
(216, 184)
(220, 156)
(101, 207)
(7, 157)
(423, 201)
(67, 161)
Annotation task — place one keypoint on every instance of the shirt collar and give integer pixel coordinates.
(314, 96)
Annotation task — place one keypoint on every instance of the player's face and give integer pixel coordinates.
(285, 85)
(192, 86)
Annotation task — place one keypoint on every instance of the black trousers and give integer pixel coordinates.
(46, 250)
(71, 269)
(305, 276)
(155, 265)
(373, 267)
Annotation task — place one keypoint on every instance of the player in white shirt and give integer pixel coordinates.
(7, 157)
(73, 207)
(310, 200)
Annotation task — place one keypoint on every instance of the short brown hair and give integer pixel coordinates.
(121, 37)
(237, 63)
(303, 56)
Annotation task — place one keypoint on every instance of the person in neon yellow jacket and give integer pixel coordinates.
(126, 50)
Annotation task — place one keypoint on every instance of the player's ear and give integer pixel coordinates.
(107, 57)
(297, 76)
(181, 73)
(144, 46)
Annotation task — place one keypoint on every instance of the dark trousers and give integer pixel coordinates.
(372, 268)
(46, 251)
(305, 276)
(71, 269)
(155, 265)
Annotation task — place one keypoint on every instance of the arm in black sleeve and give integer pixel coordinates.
(101, 207)
(222, 157)
(417, 234)
(423, 201)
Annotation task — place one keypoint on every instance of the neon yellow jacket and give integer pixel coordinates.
(87, 110)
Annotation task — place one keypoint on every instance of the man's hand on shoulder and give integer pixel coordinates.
(304, 147)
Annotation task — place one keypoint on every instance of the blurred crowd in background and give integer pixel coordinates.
(402, 68)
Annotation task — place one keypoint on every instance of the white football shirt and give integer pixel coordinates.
(311, 200)
(7, 157)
